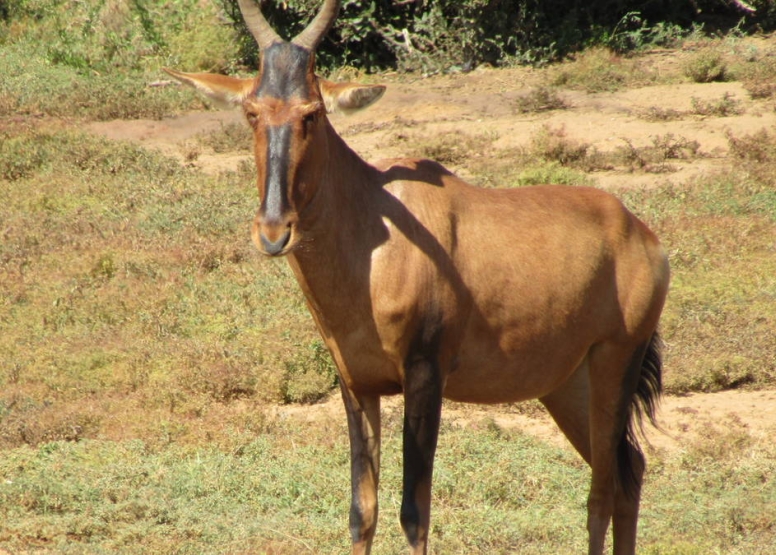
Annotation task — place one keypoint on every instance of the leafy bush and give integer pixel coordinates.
(429, 36)
(446, 34)
(309, 375)
(705, 67)
(102, 35)
(97, 58)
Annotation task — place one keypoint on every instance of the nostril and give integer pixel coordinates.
(275, 247)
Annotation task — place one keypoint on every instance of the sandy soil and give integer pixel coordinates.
(483, 101)
(683, 420)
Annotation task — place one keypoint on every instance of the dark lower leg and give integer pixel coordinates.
(364, 430)
(422, 414)
(626, 507)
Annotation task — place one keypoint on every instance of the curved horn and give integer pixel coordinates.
(257, 24)
(311, 37)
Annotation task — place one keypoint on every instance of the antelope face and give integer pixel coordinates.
(286, 106)
(288, 117)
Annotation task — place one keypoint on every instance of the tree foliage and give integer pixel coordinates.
(432, 35)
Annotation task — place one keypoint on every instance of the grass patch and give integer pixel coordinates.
(718, 232)
(656, 158)
(724, 511)
(598, 70)
(495, 491)
(514, 170)
(550, 172)
(98, 59)
(758, 147)
(553, 144)
(33, 86)
(658, 113)
(130, 251)
(232, 137)
(549, 157)
(552, 156)
(759, 77)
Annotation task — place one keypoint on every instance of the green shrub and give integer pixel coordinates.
(31, 84)
(448, 34)
(706, 66)
(309, 375)
(437, 35)
(98, 58)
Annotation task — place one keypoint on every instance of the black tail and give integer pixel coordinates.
(630, 459)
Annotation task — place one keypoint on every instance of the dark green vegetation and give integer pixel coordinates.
(101, 58)
(150, 361)
(454, 34)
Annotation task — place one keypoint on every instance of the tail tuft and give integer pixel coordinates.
(630, 458)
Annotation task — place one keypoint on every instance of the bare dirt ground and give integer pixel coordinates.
(683, 420)
(483, 102)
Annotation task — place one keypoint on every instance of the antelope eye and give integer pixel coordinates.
(310, 118)
(252, 118)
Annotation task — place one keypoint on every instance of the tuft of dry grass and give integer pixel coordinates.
(658, 113)
(725, 106)
(755, 68)
(455, 148)
(757, 153)
(553, 144)
(655, 158)
(759, 147)
(601, 70)
(539, 99)
(706, 66)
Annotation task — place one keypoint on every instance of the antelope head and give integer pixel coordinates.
(286, 106)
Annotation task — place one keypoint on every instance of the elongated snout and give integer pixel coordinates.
(272, 237)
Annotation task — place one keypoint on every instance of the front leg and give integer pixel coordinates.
(364, 429)
(422, 414)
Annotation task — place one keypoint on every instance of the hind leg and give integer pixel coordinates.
(569, 406)
(616, 467)
(592, 409)
(626, 505)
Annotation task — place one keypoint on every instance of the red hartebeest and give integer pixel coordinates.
(424, 285)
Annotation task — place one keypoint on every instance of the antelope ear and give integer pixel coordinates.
(347, 98)
(225, 91)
